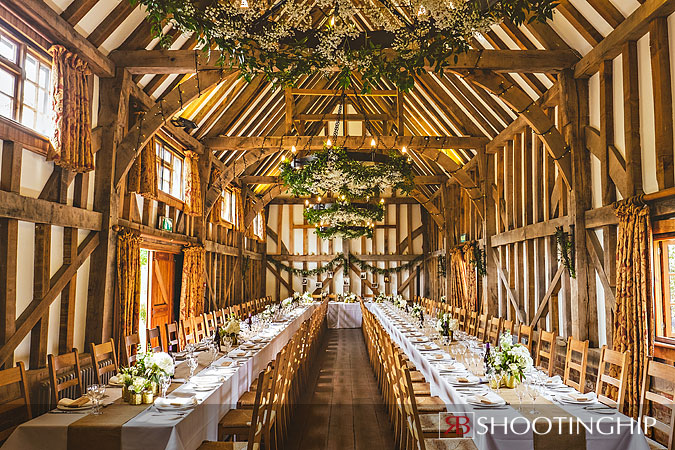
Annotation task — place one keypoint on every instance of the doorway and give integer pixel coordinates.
(158, 288)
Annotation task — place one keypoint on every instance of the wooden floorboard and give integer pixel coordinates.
(342, 408)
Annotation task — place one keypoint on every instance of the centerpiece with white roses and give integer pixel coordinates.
(141, 380)
(230, 331)
(446, 325)
(511, 360)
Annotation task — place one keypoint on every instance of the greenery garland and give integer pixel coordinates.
(342, 259)
(346, 213)
(565, 244)
(478, 259)
(331, 170)
(442, 271)
(344, 231)
(277, 38)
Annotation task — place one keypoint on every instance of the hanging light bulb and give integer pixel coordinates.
(367, 197)
(293, 150)
(381, 200)
(332, 21)
(329, 143)
(404, 150)
(318, 199)
(373, 143)
(307, 202)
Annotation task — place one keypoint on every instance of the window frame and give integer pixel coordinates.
(663, 234)
(176, 153)
(24, 47)
(229, 206)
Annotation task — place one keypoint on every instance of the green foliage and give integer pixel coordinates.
(344, 231)
(252, 41)
(358, 214)
(341, 259)
(565, 244)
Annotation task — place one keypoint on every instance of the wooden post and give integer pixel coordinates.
(574, 116)
(490, 281)
(631, 97)
(10, 180)
(113, 119)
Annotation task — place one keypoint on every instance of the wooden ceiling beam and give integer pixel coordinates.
(183, 61)
(633, 28)
(351, 142)
(250, 179)
(45, 19)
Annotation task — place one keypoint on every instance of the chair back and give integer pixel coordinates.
(658, 373)
(576, 361)
(619, 361)
(131, 346)
(473, 319)
(104, 360)
(187, 331)
(494, 330)
(219, 317)
(481, 328)
(209, 324)
(172, 338)
(199, 328)
(525, 336)
(66, 368)
(17, 410)
(508, 325)
(154, 337)
(545, 359)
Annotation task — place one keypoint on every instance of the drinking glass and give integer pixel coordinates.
(520, 393)
(164, 383)
(192, 365)
(95, 393)
(533, 392)
(213, 351)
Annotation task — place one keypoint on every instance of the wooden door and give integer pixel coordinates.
(163, 266)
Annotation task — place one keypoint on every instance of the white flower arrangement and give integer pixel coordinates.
(267, 313)
(307, 298)
(162, 361)
(287, 303)
(512, 359)
(233, 326)
(139, 384)
(446, 323)
(399, 302)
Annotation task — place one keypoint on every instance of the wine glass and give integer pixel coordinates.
(533, 392)
(95, 393)
(192, 365)
(520, 393)
(164, 383)
(213, 351)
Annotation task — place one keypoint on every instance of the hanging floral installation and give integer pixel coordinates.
(331, 170)
(343, 260)
(565, 244)
(284, 41)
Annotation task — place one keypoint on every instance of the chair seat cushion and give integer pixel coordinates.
(450, 444)
(416, 376)
(211, 445)
(421, 389)
(653, 445)
(236, 418)
(430, 404)
(247, 400)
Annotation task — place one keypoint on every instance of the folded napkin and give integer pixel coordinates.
(483, 399)
(462, 380)
(114, 380)
(181, 402)
(553, 380)
(580, 398)
(226, 364)
(449, 367)
(77, 403)
(439, 356)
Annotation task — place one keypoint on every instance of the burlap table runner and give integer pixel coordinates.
(558, 437)
(104, 432)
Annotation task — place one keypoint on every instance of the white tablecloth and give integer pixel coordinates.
(516, 435)
(344, 315)
(148, 430)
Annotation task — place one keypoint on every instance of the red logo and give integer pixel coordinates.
(458, 425)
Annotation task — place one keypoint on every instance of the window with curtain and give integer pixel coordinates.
(169, 170)
(24, 83)
(664, 262)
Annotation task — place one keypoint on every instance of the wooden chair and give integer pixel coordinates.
(525, 336)
(463, 319)
(104, 361)
(575, 346)
(494, 331)
(172, 337)
(152, 334)
(546, 351)
(219, 317)
(209, 324)
(665, 374)
(131, 346)
(17, 410)
(187, 330)
(199, 328)
(508, 325)
(64, 374)
(481, 328)
(609, 358)
(473, 323)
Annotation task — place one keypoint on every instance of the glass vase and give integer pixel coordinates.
(148, 397)
(135, 398)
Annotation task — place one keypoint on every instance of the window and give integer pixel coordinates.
(169, 170)
(258, 224)
(24, 84)
(229, 210)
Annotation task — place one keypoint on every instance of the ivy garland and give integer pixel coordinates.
(342, 259)
(331, 170)
(344, 231)
(565, 244)
(442, 271)
(478, 259)
(344, 213)
(277, 38)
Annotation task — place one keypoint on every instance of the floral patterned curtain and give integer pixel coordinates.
(128, 285)
(71, 117)
(192, 284)
(463, 285)
(633, 315)
(471, 281)
(142, 177)
(193, 191)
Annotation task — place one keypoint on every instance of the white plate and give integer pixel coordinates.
(566, 399)
(473, 381)
(79, 408)
(205, 387)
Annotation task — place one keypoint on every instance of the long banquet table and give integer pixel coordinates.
(167, 430)
(514, 429)
(344, 315)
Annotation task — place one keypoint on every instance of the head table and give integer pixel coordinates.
(144, 427)
(508, 427)
(344, 315)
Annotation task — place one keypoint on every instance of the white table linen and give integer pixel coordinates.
(344, 315)
(154, 430)
(518, 435)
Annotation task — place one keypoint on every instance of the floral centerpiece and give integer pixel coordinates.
(267, 313)
(399, 302)
(443, 299)
(512, 360)
(381, 297)
(287, 303)
(348, 298)
(230, 331)
(446, 325)
(142, 378)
